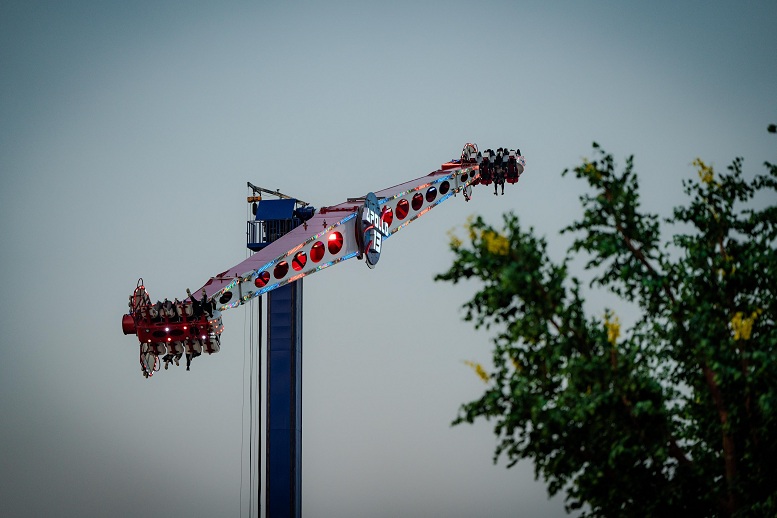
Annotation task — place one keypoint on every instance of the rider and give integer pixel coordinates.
(202, 305)
(499, 170)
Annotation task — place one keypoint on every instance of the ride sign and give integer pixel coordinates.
(371, 229)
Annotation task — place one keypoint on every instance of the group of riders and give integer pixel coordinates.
(500, 166)
(193, 312)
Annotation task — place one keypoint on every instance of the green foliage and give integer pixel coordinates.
(677, 414)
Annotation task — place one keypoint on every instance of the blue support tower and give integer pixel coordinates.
(283, 433)
(284, 402)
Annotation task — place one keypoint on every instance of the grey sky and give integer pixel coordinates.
(128, 131)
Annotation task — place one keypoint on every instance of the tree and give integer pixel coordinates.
(678, 413)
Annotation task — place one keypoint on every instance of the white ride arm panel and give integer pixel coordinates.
(331, 236)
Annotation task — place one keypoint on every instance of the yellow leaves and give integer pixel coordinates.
(589, 169)
(706, 174)
(722, 273)
(742, 326)
(479, 370)
(454, 240)
(495, 242)
(613, 326)
(471, 228)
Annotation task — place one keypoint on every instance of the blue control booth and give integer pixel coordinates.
(273, 219)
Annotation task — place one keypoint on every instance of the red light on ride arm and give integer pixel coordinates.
(335, 243)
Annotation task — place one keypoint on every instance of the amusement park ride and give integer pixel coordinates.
(290, 240)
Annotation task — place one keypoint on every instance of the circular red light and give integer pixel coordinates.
(418, 201)
(317, 252)
(387, 216)
(335, 242)
(299, 261)
(281, 269)
(262, 280)
(403, 207)
(444, 187)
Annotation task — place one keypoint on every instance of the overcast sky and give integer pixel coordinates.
(128, 131)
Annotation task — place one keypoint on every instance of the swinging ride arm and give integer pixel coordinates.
(322, 238)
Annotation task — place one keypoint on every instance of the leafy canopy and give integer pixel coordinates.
(676, 413)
